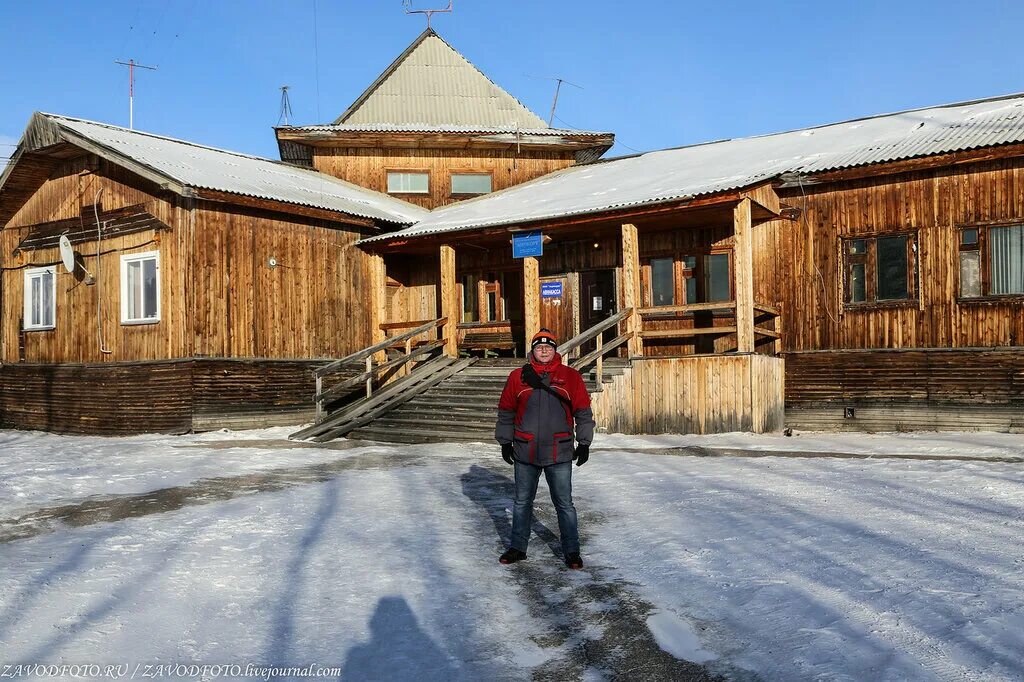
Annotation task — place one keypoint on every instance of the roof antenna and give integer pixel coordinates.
(286, 107)
(131, 87)
(554, 104)
(428, 12)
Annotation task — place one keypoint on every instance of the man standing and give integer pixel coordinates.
(535, 430)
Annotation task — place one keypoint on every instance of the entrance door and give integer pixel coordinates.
(597, 302)
(556, 307)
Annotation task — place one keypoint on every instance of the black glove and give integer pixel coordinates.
(582, 454)
(507, 452)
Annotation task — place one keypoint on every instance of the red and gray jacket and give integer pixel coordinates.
(538, 424)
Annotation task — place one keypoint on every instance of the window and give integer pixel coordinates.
(880, 269)
(685, 279)
(406, 182)
(471, 183)
(40, 298)
(140, 288)
(992, 261)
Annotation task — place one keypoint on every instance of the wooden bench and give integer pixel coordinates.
(491, 339)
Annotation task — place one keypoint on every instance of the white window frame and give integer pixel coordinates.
(125, 294)
(389, 173)
(30, 274)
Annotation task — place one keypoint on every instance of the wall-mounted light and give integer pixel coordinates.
(272, 262)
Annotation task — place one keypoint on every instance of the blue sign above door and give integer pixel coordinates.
(551, 290)
(525, 244)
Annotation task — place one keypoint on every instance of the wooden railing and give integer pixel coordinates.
(364, 359)
(762, 314)
(597, 333)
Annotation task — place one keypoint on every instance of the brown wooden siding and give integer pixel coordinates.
(313, 303)
(174, 396)
(70, 189)
(798, 264)
(368, 167)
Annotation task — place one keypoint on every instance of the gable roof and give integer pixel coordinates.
(688, 172)
(182, 165)
(432, 84)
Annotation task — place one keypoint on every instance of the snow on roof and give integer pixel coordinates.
(198, 166)
(430, 83)
(687, 172)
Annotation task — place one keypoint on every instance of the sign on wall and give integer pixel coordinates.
(525, 244)
(551, 290)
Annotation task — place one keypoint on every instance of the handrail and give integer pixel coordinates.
(688, 308)
(583, 337)
(377, 347)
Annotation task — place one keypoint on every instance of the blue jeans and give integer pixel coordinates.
(559, 477)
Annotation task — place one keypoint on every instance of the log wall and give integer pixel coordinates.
(172, 396)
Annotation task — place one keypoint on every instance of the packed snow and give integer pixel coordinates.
(380, 560)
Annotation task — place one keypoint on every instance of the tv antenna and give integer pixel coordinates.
(131, 87)
(286, 107)
(429, 12)
(558, 89)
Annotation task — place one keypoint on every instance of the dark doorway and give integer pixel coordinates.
(597, 302)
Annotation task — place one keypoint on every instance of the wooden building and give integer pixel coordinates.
(206, 284)
(864, 275)
(432, 129)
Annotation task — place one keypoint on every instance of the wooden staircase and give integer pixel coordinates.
(443, 399)
(463, 407)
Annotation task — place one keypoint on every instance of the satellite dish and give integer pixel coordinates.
(67, 254)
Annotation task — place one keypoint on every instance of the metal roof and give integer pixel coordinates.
(198, 166)
(686, 172)
(445, 128)
(432, 84)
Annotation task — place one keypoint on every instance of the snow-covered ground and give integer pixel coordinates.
(381, 559)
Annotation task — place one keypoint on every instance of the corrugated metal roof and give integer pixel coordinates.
(675, 174)
(447, 128)
(432, 84)
(203, 167)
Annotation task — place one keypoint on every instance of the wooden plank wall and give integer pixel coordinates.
(170, 396)
(798, 265)
(368, 167)
(704, 394)
(313, 304)
(75, 337)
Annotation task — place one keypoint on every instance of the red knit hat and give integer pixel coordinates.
(543, 336)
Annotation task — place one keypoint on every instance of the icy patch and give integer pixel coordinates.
(677, 638)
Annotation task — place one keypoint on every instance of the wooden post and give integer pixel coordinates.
(449, 302)
(743, 262)
(631, 288)
(778, 330)
(531, 297)
(600, 360)
(408, 351)
(318, 401)
(369, 376)
(378, 301)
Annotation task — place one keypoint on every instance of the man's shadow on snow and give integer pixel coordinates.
(496, 493)
(398, 649)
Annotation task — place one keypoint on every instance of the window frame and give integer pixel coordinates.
(451, 181)
(30, 274)
(407, 171)
(681, 274)
(985, 262)
(869, 259)
(127, 258)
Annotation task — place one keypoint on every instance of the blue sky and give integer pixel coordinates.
(657, 73)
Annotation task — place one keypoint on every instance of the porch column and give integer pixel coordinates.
(743, 261)
(531, 297)
(378, 301)
(449, 301)
(631, 287)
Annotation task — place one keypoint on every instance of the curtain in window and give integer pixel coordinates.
(1007, 258)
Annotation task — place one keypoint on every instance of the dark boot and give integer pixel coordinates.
(574, 561)
(512, 555)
